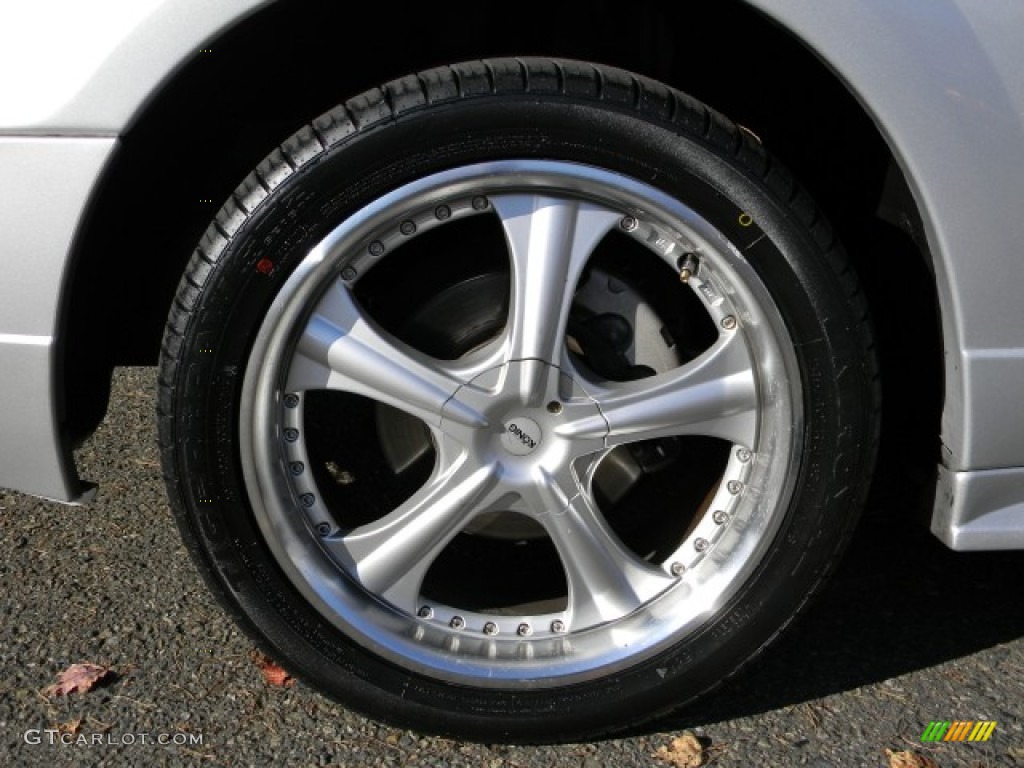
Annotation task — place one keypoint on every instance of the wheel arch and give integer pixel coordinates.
(219, 113)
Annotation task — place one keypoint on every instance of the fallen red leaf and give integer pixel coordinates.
(273, 673)
(78, 677)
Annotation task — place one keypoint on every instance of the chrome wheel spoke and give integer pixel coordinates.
(606, 581)
(714, 395)
(341, 349)
(550, 240)
(391, 556)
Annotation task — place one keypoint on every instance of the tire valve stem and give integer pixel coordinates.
(688, 266)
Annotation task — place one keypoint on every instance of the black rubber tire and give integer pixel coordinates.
(438, 119)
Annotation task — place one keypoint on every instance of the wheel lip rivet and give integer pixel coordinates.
(407, 227)
(743, 455)
(701, 545)
(457, 622)
(425, 612)
(720, 516)
(442, 213)
(324, 529)
(348, 273)
(554, 407)
(735, 487)
(291, 434)
(490, 629)
(307, 499)
(558, 626)
(480, 203)
(729, 322)
(628, 223)
(678, 569)
(524, 630)
(291, 401)
(297, 468)
(376, 248)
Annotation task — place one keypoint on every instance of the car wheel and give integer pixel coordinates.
(517, 400)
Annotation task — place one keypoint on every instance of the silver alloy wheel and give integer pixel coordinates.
(518, 426)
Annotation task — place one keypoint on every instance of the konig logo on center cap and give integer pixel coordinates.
(522, 436)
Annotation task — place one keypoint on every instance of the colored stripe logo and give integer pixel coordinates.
(958, 730)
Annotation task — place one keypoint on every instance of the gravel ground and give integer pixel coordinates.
(906, 633)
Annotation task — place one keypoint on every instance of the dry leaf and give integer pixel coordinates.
(78, 677)
(272, 672)
(685, 751)
(905, 758)
(71, 727)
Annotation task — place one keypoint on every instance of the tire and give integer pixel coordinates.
(449, 433)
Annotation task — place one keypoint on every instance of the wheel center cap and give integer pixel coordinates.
(522, 436)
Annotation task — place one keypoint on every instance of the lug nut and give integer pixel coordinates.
(557, 626)
(490, 628)
(701, 545)
(678, 569)
(720, 516)
(457, 622)
(524, 630)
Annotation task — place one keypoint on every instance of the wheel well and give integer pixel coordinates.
(223, 111)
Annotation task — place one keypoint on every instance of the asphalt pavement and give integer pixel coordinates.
(907, 632)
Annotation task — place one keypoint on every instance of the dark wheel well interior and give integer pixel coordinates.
(223, 111)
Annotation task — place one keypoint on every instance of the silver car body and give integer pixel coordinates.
(942, 79)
